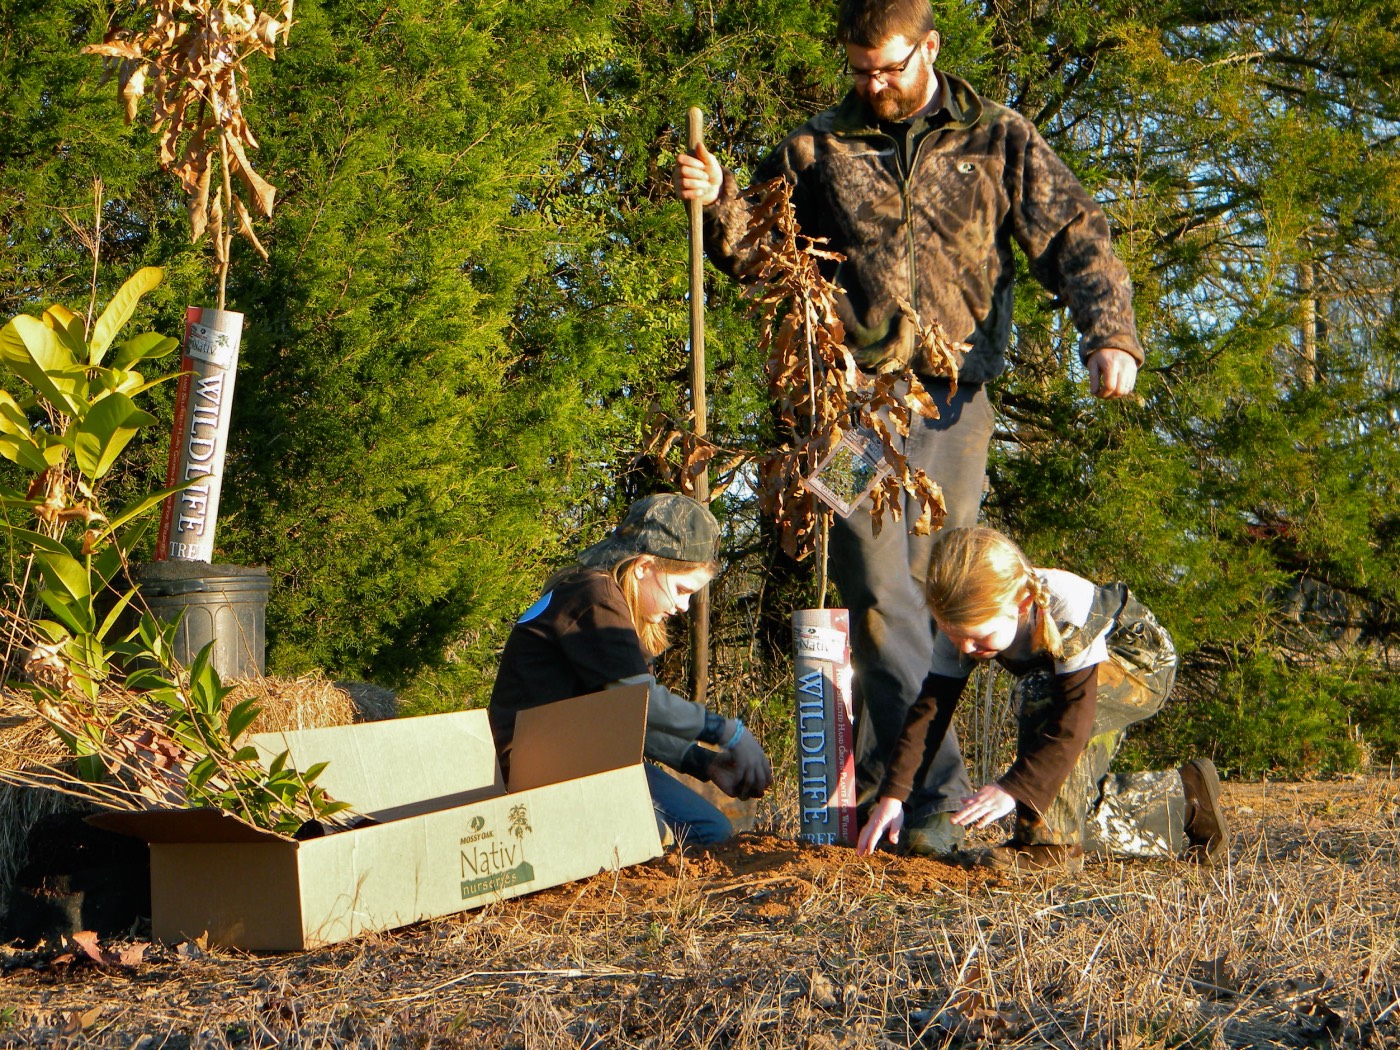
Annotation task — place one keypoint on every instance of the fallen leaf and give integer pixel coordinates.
(1328, 1020)
(188, 951)
(821, 990)
(87, 941)
(79, 1021)
(1215, 978)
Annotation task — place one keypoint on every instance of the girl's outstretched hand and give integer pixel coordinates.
(988, 804)
(888, 815)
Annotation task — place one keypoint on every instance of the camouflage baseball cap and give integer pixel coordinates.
(667, 525)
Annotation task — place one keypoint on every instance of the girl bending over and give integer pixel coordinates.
(1089, 661)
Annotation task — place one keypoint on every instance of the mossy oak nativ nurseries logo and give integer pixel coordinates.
(491, 863)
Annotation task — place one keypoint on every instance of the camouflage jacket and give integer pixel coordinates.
(940, 239)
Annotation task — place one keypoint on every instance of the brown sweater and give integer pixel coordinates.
(1041, 765)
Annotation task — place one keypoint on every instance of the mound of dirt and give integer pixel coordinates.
(761, 877)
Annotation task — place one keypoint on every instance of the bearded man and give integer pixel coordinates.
(923, 185)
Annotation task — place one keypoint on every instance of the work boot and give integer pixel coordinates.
(934, 836)
(1023, 857)
(1207, 833)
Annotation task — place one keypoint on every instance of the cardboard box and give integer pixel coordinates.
(450, 835)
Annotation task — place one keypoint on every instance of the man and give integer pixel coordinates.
(923, 185)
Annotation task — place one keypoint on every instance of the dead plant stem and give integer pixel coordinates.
(96, 252)
(225, 232)
(606, 975)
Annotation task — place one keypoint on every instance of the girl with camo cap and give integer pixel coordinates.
(1089, 661)
(601, 622)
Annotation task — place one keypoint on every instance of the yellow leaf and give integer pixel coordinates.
(133, 86)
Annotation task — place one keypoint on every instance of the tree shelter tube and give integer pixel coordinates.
(200, 435)
(826, 771)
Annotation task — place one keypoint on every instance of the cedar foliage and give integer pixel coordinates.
(475, 292)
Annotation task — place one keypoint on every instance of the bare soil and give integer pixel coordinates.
(770, 943)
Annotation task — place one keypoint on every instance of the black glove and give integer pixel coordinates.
(697, 762)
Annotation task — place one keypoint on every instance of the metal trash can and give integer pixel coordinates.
(223, 604)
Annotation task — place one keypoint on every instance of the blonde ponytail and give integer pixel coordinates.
(1047, 632)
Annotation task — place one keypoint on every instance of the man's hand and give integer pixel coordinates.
(744, 770)
(1112, 372)
(888, 815)
(988, 804)
(699, 177)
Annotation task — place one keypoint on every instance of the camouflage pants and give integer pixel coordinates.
(1124, 814)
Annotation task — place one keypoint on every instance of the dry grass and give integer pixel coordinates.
(770, 944)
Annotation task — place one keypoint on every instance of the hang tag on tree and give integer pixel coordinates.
(850, 470)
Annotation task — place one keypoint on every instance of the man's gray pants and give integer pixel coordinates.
(881, 581)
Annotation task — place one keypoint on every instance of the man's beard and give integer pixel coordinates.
(896, 102)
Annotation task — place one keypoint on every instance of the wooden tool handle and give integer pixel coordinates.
(700, 603)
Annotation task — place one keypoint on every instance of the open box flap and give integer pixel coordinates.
(183, 825)
(578, 737)
(383, 766)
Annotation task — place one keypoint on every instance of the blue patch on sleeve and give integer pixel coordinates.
(534, 610)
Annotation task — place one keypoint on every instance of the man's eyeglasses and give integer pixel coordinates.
(886, 74)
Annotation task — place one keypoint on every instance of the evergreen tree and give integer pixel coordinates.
(395, 473)
(1248, 161)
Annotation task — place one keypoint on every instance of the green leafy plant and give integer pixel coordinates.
(158, 734)
(69, 420)
(165, 738)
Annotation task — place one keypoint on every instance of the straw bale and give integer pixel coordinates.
(310, 702)
(20, 809)
(373, 703)
(25, 738)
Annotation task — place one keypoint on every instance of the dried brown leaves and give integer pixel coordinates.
(146, 766)
(817, 390)
(50, 490)
(192, 52)
(129, 956)
(971, 1014)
